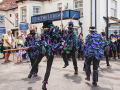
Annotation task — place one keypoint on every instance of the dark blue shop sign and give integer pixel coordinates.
(24, 26)
(55, 16)
(2, 31)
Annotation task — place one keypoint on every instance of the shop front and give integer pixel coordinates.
(56, 18)
(23, 27)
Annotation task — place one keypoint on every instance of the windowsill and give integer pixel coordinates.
(23, 22)
(114, 17)
(2, 27)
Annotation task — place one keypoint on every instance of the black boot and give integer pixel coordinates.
(30, 75)
(94, 83)
(44, 85)
(88, 79)
(76, 71)
(65, 65)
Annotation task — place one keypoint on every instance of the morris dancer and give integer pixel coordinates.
(113, 46)
(80, 42)
(32, 53)
(48, 45)
(106, 48)
(71, 47)
(118, 43)
(93, 52)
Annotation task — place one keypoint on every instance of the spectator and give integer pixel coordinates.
(2, 48)
(36, 36)
(19, 44)
(23, 38)
(28, 59)
(7, 44)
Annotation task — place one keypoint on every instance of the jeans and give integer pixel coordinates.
(28, 57)
(95, 68)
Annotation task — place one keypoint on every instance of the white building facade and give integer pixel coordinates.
(21, 15)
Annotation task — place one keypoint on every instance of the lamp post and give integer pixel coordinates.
(107, 20)
(80, 24)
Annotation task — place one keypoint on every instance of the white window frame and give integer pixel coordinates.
(16, 20)
(59, 6)
(23, 14)
(112, 29)
(35, 12)
(113, 8)
(2, 21)
(78, 6)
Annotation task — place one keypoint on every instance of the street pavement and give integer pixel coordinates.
(13, 76)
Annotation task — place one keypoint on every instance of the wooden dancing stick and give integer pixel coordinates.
(61, 19)
(14, 49)
(73, 17)
(68, 22)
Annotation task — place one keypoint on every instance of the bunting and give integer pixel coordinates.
(9, 21)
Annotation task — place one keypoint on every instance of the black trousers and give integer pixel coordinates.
(107, 60)
(110, 53)
(118, 51)
(84, 67)
(32, 62)
(72, 53)
(95, 68)
(80, 53)
(49, 64)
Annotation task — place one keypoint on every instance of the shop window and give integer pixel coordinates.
(59, 6)
(2, 21)
(112, 29)
(36, 10)
(78, 6)
(16, 19)
(24, 15)
(113, 8)
(10, 15)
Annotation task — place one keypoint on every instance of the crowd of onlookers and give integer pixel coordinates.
(7, 43)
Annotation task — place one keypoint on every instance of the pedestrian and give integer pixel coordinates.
(24, 39)
(71, 44)
(36, 36)
(28, 59)
(2, 48)
(19, 45)
(7, 45)
(94, 50)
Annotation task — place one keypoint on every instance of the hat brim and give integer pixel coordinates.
(70, 27)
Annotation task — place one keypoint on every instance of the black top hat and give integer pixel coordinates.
(115, 31)
(47, 23)
(32, 32)
(70, 27)
(91, 28)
